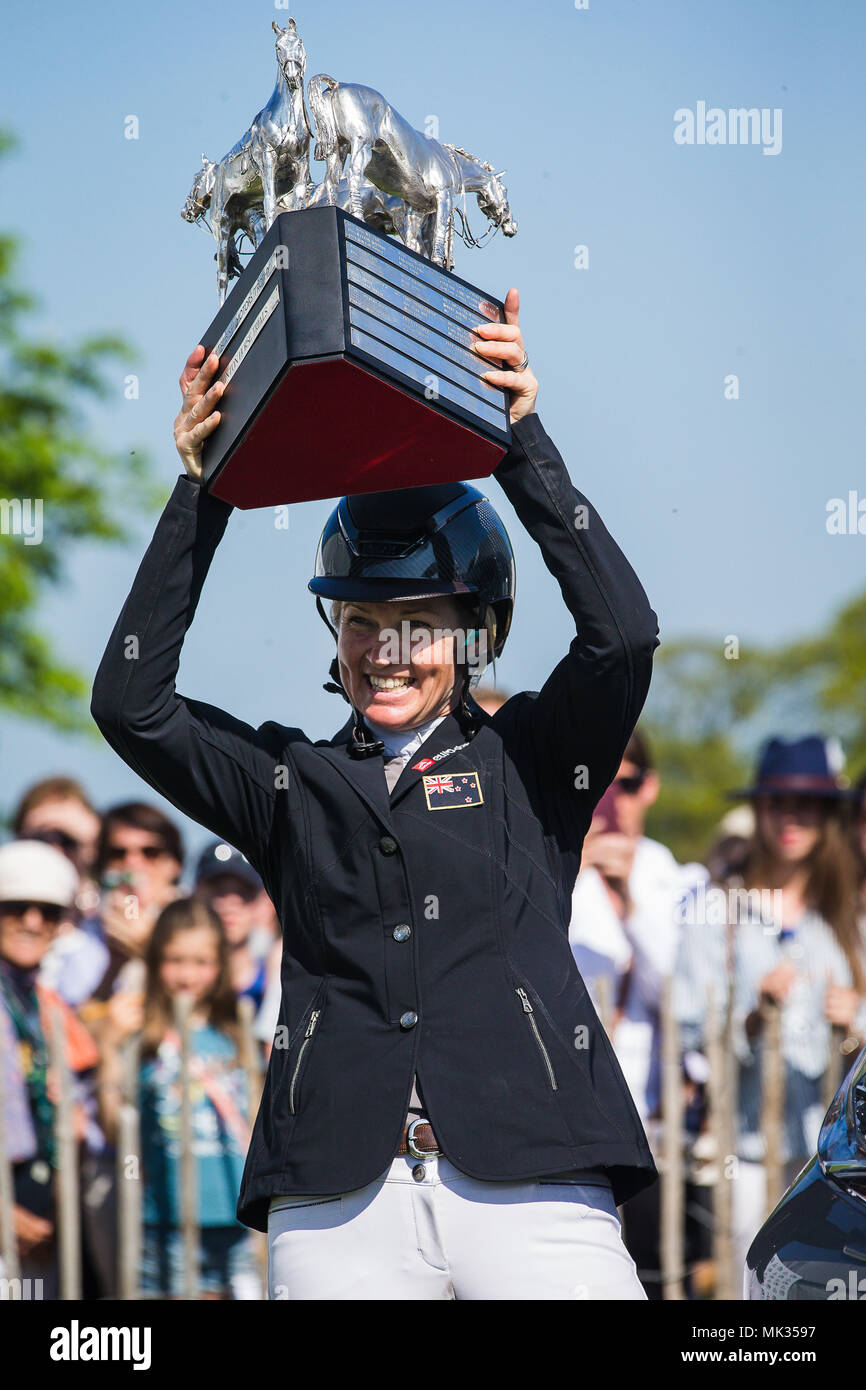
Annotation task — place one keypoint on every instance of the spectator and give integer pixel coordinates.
(858, 800)
(623, 931)
(37, 887)
(58, 811)
(623, 924)
(230, 885)
(139, 858)
(804, 955)
(188, 954)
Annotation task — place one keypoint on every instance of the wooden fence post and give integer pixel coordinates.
(832, 1077)
(672, 1169)
(721, 1089)
(8, 1238)
(773, 1101)
(252, 1064)
(188, 1183)
(66, 1142)
(129, 1184)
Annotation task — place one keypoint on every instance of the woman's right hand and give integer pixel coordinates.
(198, 416)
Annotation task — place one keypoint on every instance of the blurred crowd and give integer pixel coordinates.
(99, 938)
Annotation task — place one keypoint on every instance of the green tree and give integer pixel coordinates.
(707, 717)
(51, 469)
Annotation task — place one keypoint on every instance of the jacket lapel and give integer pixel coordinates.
(365, 775)
(447, 736)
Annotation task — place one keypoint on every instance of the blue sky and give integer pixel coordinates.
(704, 261)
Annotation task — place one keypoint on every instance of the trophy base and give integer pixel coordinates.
(336, 403)
(350, 369)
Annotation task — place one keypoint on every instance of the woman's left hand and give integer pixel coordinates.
(504, 341)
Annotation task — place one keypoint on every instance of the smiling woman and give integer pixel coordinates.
(443, 1115)
(399, 661)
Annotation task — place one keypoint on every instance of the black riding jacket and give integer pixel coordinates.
(482, 997)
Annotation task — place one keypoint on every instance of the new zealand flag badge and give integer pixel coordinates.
(451, 791)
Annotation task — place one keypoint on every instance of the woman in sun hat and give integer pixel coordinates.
(38, 887)
(791, 940)
(443, 1115)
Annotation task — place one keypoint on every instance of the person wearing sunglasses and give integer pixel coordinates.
(623, 934)
(58, 811)
(228, 883)
(37, 891)
(139, 858)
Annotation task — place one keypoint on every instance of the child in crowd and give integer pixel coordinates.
(188, 955)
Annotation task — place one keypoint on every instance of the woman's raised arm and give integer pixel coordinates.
(568, 739)
(213, 767)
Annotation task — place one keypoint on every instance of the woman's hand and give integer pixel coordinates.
(198, 416)
(504, 341)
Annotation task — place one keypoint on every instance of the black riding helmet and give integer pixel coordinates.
(421, 542)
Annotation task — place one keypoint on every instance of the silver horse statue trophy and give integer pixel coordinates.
(269, 163)
(397, 180)
(357, 124)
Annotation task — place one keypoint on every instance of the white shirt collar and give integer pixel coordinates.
(402, 743)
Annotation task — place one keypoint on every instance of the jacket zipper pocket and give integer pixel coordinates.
(311, 1028)
(530, 1017)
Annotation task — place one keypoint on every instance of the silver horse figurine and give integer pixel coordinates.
(269, 162)
(357, 123)
(242, 213)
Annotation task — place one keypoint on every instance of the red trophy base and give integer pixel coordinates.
(335, 409)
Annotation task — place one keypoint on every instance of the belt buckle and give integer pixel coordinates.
(410, 1142)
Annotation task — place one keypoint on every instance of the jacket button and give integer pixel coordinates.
(408, 1019)
(387, 845)
(402, 932)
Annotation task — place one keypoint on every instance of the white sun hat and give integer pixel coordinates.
(33, 872)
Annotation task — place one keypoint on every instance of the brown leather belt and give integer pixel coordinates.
(419, 1140)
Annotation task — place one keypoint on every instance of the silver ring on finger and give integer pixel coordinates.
(521, 366)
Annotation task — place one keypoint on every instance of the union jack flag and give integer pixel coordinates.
(438, 784)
